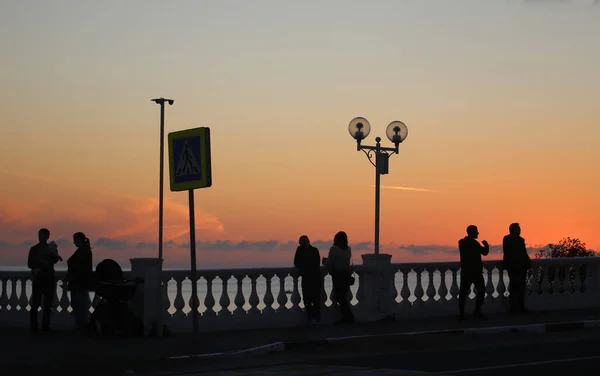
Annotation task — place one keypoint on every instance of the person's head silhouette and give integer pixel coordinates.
(43, 235)
(304, 241)
(80, 240)
(514, 229)
(473, 231)
(340, 240)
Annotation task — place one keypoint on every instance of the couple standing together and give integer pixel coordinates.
(41, 260)
(308, 262)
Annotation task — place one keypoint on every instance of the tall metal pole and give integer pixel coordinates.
(194, 301)
(377, 191)
(161, 178)
(161, 101)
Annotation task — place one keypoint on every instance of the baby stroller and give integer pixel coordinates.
(112, 314)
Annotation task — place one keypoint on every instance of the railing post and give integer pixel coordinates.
(378, 285)
(146, 298)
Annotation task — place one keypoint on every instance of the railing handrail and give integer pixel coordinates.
(498, 262)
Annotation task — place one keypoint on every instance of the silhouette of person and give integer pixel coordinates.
(41, 260)
(516, 262)
(308, 262)
(338, 263)
(79, 277)
(471, 270)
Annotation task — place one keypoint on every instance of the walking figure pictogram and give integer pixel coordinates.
(187, 162)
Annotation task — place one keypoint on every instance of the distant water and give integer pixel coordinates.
(186, 288)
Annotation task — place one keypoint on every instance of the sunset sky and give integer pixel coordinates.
(500, 99)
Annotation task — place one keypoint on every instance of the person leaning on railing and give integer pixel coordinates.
(338, 263)
(308, 262)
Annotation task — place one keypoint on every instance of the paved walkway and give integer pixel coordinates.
(314, 370)
(55, 350)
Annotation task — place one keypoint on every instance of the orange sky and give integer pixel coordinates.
(500, 102)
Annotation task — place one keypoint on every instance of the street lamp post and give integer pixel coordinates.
(161, 175)
(396, 132)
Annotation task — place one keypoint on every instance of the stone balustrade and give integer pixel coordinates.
(230, 299)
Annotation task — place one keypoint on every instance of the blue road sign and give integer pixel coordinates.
(189, 159)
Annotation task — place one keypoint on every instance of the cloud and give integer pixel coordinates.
(31, 202)
(110, 243)
(407, 188)
(453, 250)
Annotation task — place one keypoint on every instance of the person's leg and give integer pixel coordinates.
(36, 299)
(316, 294)
(341, 288)
(465, 287)
(480, 287)
(78, 303)
(522, 290)
(306, 298)
(513, 289)
(47, 305)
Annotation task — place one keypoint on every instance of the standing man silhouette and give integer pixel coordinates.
(308, 262)
(471, 268)
(516, 262)
(41, 261)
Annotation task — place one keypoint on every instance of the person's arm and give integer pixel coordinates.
(485, 249)
(316, 258)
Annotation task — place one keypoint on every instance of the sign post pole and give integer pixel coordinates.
(194, 301)
(190, 169)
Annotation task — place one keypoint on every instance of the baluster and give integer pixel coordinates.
(489, 285)
(501, 288)
(454, 289)
(268, 299)
(394, 292)
(254, 299)
(324, 297)
(295, 295)
(564, 281)
(225, 302)
(14, 299)
(443, 290)
(179, 302)
(545, 281)
(556, 285)
(239, 299)
(209, 300)
(4, 296)
(282, 296)
(585, 277)
(23, 301)
(405, 291)
(419, 293)
(94, 301)
(64, 302)
(430, 287)
(166, 300)
(577, 285)
(194, 299)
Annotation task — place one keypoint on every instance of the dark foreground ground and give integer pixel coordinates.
(63, 353)
(549, 354)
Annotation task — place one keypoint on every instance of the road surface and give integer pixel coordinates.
(580, 354)
(550, 354)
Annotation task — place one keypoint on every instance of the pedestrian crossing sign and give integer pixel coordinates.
(189, 159)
